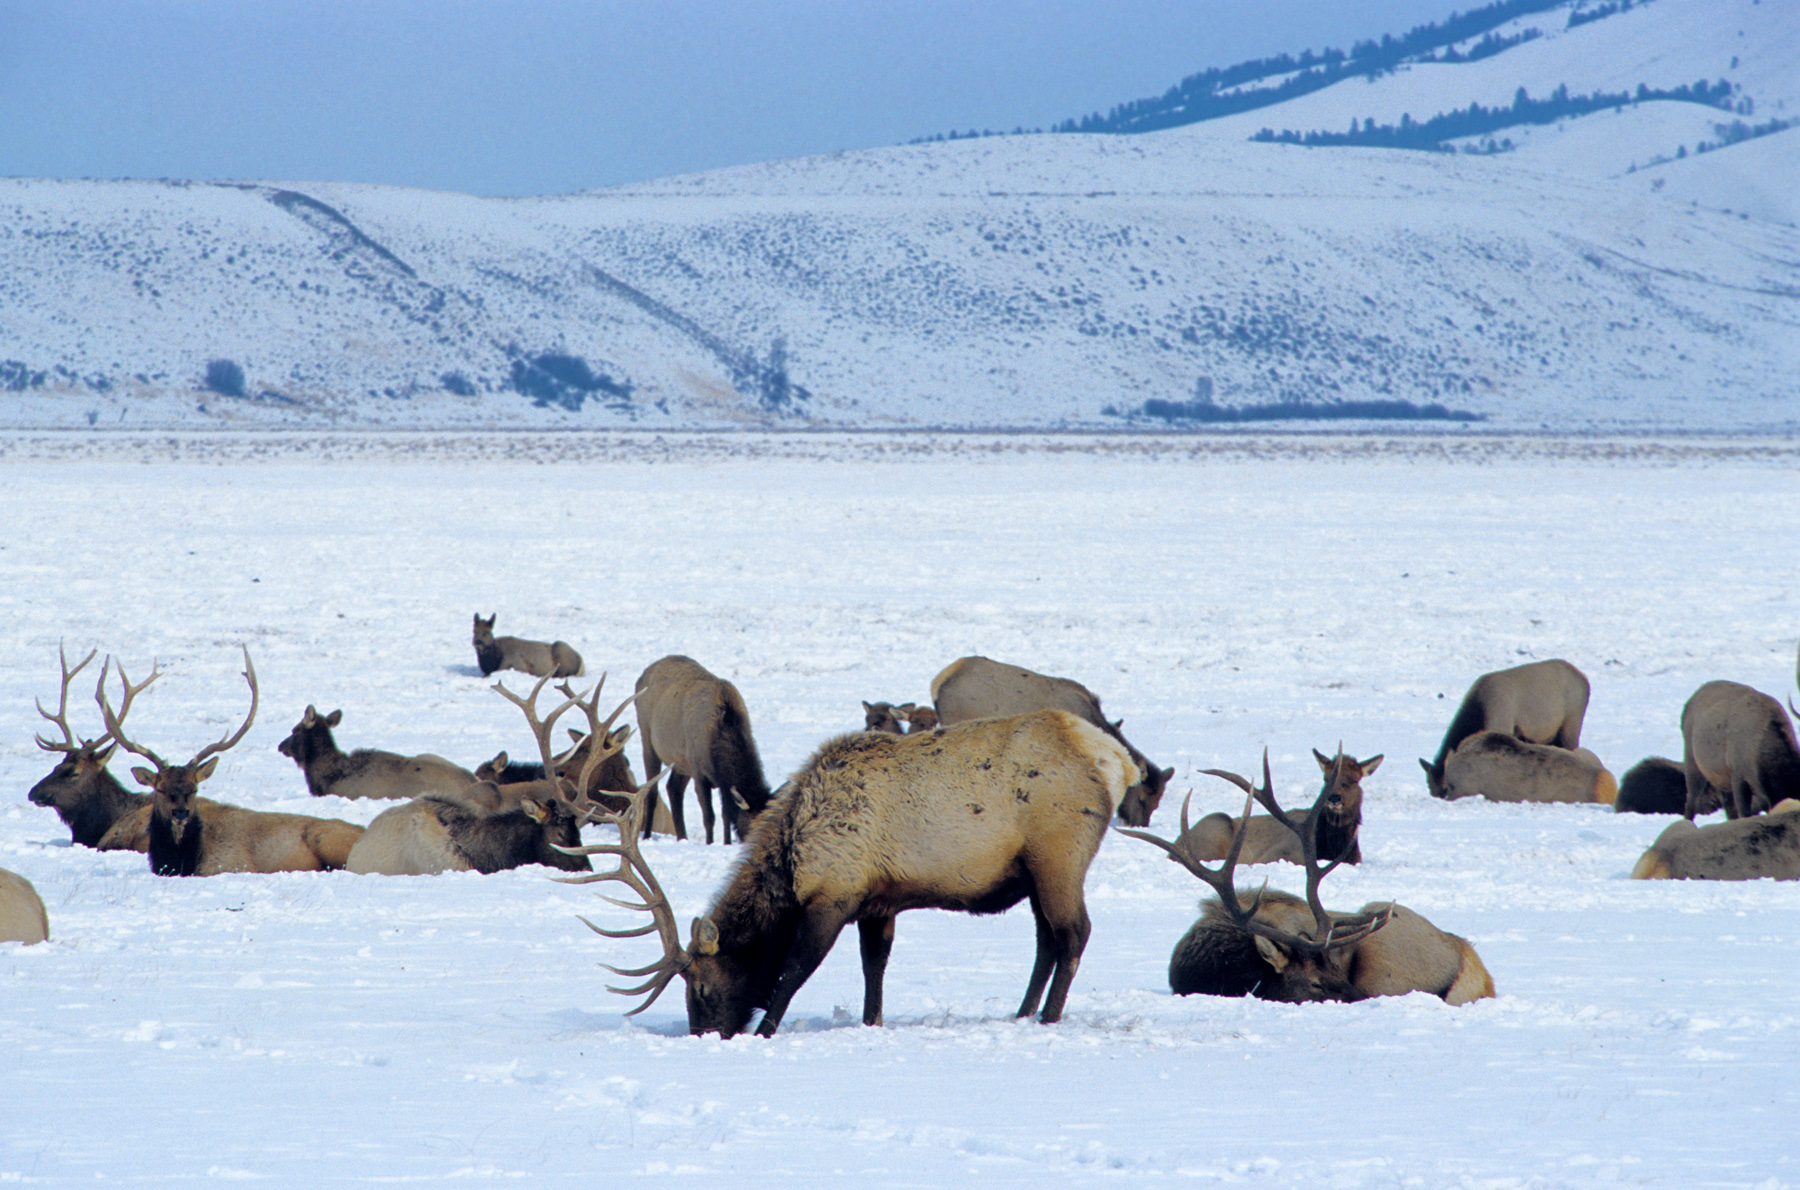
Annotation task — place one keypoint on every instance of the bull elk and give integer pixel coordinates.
(22, 916)
(365, 772)
(974, 818)
(186, 836)
(1266, 840)
(1540, 703)
(979, 688)
(1737, 747)
(1763, 846)
(487, 827)
(1503, 768)
(696, 722)
(1276, 946)
(554, 659)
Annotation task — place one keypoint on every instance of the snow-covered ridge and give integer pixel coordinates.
(1043, 281)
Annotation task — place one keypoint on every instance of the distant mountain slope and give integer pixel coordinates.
(1055, 280)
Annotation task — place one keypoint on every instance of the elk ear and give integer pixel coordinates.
(705, 937)
(577, 736)
(1370, 765)
(144, 776)
(1325, 762)
(1272, 954)
(1426, 765)
(336, 717)
(205, 770)
(1119, 724)
(101, 759)
(906, 707)
(500, 761)
(868, 706)
(534, 810)
(311, 717)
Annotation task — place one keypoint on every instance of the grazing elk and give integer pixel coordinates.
(487, 827)
(187, 836)
(697, 724)
(1503, 768)
(22, 916)
(1656, 785)
(364, 772)
(1541, 703)
(1738, 747)
(978, 688)
(1763, 846)
(538, 658)
(1276, 946)
(1266, 840)
(974, 818)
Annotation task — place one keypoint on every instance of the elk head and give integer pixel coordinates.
(484, 630)
(1343, 786)
(884, 717)
(311, 736)
(1308, 957)
(173, 787)
(83, 761)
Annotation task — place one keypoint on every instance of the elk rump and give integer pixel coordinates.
(1540, 703)
(22, 916)
(1503, 768)
(980, 688)
(1763, 846)
(1737, 747)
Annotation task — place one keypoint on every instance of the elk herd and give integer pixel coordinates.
(1000, 791)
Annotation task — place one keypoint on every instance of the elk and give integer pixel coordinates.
(538, 658)
(487, 828)
(1738, 747)
(1657, 785)
(696, 723)
(1503, 768)
(1276, 946)
(974, 818)
(898, 719)
(1266, 840)
(1763, 846)
(22, 916)
(615, 773)
(187, 836)
(977, 688)
(364, 772)
(1541, 703)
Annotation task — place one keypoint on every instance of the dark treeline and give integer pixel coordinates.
(1476, 120)
(1204, 412)
(1587, 16)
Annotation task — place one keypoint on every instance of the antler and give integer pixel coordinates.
(633, 871)
(598, 730)
(1333, 934)
(71, 743)
(230, 741)
(115, 722)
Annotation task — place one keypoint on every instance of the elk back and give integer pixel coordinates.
(1656, 785)
(22, 916)
(240, 840)
(1503, 768)
(1544, 702)
(1763, 846)
(1739, 746)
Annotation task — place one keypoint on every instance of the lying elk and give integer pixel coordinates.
(1657, 785)
(696, 723)
(1276, 946)
(364, 772)
(975, 818)
(487, 828)
(1763, 846)
(1738, 747)
(22, 916)
(902, 719)
(1541, 703)
(1266, 840)
(977, 688)
(187, 836)
(1504, 768)
(538, 658)
(615, 774)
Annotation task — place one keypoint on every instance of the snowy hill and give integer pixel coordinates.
(1601, 274)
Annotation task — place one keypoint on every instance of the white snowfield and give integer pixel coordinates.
(1031, 281)
(1222, 595)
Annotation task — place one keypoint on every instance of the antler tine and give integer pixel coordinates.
(599, 742)
(1332, 933)
(61, 718)
(115, 722)
(229, 742)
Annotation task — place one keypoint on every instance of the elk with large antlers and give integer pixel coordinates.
(1267, 840)
(1276, 946)
(974, 818)
(186, 836)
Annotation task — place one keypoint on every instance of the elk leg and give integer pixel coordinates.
(1696, 789)
(703, 795)
(877, 937)
(1064, 919)
(819, 928)
(677, 786)
(652, 768)
(1046, 959)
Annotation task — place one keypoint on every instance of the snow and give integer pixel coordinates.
(1222, 594)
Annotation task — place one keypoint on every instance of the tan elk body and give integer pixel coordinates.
(981, 688)
(540, 659)
(1503, 768)
(696, 723)
(1541, 703)
(22, 916)
(974, 817)
(366, 772)
(1738, 747)
(1761, 846)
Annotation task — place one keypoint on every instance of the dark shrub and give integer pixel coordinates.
(224, 377)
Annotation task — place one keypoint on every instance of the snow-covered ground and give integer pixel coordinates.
(1222, 594)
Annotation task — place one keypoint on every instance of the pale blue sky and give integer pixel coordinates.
(560, 95)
